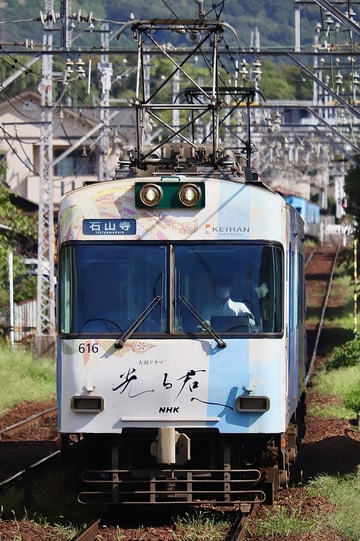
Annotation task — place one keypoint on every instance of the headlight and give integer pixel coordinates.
(189, 195)
(170, 193)
(150, 195)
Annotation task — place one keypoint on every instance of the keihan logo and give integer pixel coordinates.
(226, 229)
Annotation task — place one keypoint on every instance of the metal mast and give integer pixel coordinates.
(45, 320)
(106, 71)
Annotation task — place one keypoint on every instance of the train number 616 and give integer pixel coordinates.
(87, 347)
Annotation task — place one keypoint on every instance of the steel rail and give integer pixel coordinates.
(240, 531)
(89, 533)
(323, 310)
(309, 257)
(25, 423)
(29, 470)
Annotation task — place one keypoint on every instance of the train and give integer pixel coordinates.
(174, 405)
(181, 363)
(310, 213)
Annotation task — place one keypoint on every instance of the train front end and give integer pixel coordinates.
(170, 397)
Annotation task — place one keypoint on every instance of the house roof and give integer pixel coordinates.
(69, 123)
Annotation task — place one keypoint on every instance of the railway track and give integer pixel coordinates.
(28, 471)
(26, 445)
(89, 533)
(93, 532)
(239, 533)
(318, 286)
(24, 424)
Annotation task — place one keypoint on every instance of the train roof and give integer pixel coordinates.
(231, 210)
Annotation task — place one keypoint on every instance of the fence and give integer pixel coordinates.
(24, 321)
(339, 234)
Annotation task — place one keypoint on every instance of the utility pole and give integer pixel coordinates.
(66, 26)
(45, 309)
(106, 71)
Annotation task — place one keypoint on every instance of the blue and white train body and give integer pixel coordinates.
(310, 213)
(170, 403)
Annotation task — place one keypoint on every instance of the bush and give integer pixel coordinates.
(346, 355)
(352, 397)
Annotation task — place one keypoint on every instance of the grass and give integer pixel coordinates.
(341, 516)
(67, 531)
(343, 315)
(280, 521)
(344, 493)
(341, 376)
(343, 383)
(341, 379)
(201, 526)
(62, 531)
(26, 377)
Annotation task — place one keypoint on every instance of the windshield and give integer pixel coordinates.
(105, 288)
(235, 288)
(194, 288)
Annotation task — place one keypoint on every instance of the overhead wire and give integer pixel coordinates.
(16, 97)
(14, 63)
(170, 9)
(22, 9)
(8, 137)
(21, 144)
(18, 21)
(215, 6)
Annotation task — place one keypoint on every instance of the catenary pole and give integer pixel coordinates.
(45, 308)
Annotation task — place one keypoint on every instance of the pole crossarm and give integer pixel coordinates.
(353, 110)
(335, 131)
(325, 4)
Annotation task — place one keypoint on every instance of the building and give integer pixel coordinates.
(76, 135)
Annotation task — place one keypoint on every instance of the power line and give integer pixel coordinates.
(8, 137)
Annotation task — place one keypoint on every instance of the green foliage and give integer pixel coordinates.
(273, 18)
(19, 225)
(352, 396)
(341, 376)
(24, 285)
(353, 195)
(274, 85)
(30, 78)
(302, 85)
(331, 206)
(14, 218)
(346, 355)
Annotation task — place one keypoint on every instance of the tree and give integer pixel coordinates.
(15, 227)
(302, 85)
(352, 189)
(273, 84)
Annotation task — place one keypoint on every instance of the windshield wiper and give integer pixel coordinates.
(220, 342)
(119, 342)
